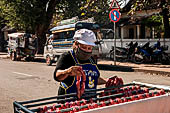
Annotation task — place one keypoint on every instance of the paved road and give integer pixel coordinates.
(20, 81)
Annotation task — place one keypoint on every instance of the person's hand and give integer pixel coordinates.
(75, 71)
(72, 71)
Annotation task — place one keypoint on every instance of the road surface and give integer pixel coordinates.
(21, 81)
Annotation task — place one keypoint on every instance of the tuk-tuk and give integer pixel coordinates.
(61, 40)
(21, 45)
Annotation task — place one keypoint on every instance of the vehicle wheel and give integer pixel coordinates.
(165, 59)
(111, 54)
(13, 56)
(19, 59)
(48, 61)
(27, 59)
(138, 59)
(32, 58)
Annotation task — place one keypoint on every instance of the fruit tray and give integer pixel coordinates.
(128, 98)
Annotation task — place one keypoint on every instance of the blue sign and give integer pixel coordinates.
(114, 15)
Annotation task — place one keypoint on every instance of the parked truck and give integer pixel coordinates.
(21, 45)
(61, 39)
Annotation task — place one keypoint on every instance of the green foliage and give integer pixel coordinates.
(24, 14)
(18, 14)
(99, 9)
(155, 20)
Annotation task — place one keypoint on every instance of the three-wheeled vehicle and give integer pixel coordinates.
(21, 45)
(61, 40)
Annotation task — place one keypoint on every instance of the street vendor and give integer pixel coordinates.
(78, 64)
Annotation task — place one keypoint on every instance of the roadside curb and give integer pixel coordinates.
(164, 73)
(4, 57)
(153, 69)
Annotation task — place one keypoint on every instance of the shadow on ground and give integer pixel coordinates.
(115, 68)
(39, 60)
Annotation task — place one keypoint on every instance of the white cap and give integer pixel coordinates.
(85, 36)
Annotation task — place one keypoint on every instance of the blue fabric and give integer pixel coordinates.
(92, 75)
(62, 27)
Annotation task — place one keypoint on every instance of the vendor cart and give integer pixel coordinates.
(128, 98)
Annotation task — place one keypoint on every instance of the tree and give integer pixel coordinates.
(166, 15)
(99, 9)
(154, 4)
(33, 16)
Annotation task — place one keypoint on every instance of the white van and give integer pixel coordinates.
(61, 40)
(21, 45)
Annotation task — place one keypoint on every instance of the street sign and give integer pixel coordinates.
(114, 15)
(114, 5)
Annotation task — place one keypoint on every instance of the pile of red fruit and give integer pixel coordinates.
(114, 81)
(105, 98)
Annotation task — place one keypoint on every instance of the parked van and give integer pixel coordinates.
(21, 45)
(61, 40)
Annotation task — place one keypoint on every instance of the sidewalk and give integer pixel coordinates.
(148, 68)
(4, 55)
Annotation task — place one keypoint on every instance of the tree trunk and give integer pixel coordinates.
(41, 41)
(166, 23)
(165, 13)
(41, 28)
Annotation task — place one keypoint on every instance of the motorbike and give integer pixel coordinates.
(151, 54)
(123, 54)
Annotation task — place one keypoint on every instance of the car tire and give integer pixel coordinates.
(48, 61)
(13, 56)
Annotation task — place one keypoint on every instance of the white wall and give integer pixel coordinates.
(108, 43)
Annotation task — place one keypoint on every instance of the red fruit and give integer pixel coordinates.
(72, 104)
(157, 94)
(125, 99)
(62, 106)
(95, 105)
(133, 87)
(71, 112)
(45, 108)
(146, 90)
(84, 101)
(54, 107)
(121, 81)
(74, 109)
(40, 110)
(67, 105)
(140, 96)
(103, 103)
(133, 98)
(103, 94)
(138, 87)
(130, 93)
(112, 101)
(77, 102)
(58, 110)
(152, 94)
(147, 95)
(90, 106)
(91, 100)
(118, 100)
(128, 89)
(162, 92)
(86, 109)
